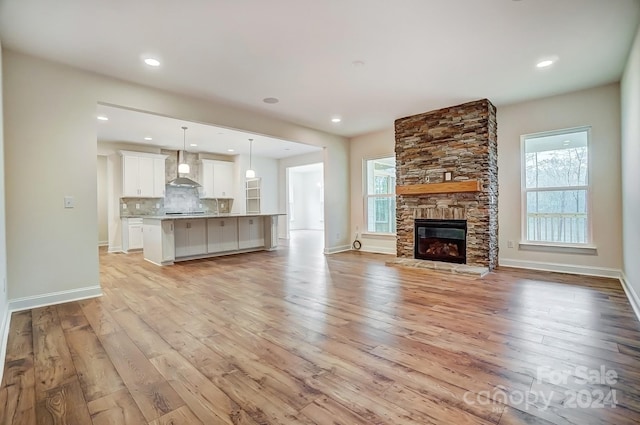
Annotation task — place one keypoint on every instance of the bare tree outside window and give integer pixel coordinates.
(556, 191)
(380, 199)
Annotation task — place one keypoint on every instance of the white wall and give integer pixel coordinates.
(4, 308)
(599, 108)
(50, 141)
(368, 146)
(283, 184)
(103, 228)
(630, 93)
(307, 187)
(267, 170)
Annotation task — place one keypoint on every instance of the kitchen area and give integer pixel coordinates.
(203, 193)
(173, 216)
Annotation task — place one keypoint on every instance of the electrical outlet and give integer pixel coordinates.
(124, 206)
(157, 205)
(69, 202)
(137, 206)
(509, 244)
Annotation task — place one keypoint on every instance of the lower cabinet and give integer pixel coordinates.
(131, 234)
(250, 232)
(190, 237)
(159, 245)
(222, 234)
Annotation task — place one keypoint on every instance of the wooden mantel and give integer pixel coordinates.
(447, 187)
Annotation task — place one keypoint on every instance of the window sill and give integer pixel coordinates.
(387, 236)
(563, 249)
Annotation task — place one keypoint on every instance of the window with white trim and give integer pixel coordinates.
(555, 187)
(380, 195)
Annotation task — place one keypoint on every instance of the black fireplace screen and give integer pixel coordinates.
(441, 240)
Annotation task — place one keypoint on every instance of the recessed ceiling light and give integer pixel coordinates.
(193, 144)
(152, 62)
(336, 119)
(231, 150)
(103, 118)
(545, 63)
(271, 100)
(148, 138)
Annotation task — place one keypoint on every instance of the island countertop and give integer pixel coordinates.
(194, 216)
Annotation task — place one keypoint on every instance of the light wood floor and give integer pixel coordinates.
(292, 336)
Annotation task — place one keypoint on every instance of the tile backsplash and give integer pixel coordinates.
(177, 199)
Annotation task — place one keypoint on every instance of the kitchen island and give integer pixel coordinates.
(171, 238)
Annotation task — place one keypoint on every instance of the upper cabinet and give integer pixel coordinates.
(142, 174)
(216, 178)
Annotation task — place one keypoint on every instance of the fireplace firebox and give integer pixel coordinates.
(441, 240)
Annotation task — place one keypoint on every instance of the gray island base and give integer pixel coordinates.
(168, 239)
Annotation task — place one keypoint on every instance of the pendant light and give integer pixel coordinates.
(183, 167)
(250, 172)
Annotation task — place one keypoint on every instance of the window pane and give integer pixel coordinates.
(556, 160)
(381, 214)
(381, 176)
(557, 216)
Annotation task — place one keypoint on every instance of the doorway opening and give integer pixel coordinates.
(305, 201)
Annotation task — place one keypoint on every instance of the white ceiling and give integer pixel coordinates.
(129, 126)
(417, 55)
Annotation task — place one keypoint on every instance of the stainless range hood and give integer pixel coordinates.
(182, 181)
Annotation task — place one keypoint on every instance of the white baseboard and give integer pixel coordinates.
(561, 268)
(336, 249)
(36, 301)
(113, 249)
(632, 295)
(5, 321)
(103, 243)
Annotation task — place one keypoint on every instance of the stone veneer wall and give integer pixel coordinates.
(461, 139)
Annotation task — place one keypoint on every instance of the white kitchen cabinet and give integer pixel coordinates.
(159, 245)
(143, 175)
(250, 232)
(131, 234)
(216, 178)
(222, 234)
(135, 236)
(190, 237)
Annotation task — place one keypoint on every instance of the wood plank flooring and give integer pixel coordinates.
(296, 337)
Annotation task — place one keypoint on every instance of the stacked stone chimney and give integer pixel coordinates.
(461, 140)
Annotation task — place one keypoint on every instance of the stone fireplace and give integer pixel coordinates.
(447, 169)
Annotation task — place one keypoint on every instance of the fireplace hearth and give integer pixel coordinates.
(441, 240)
